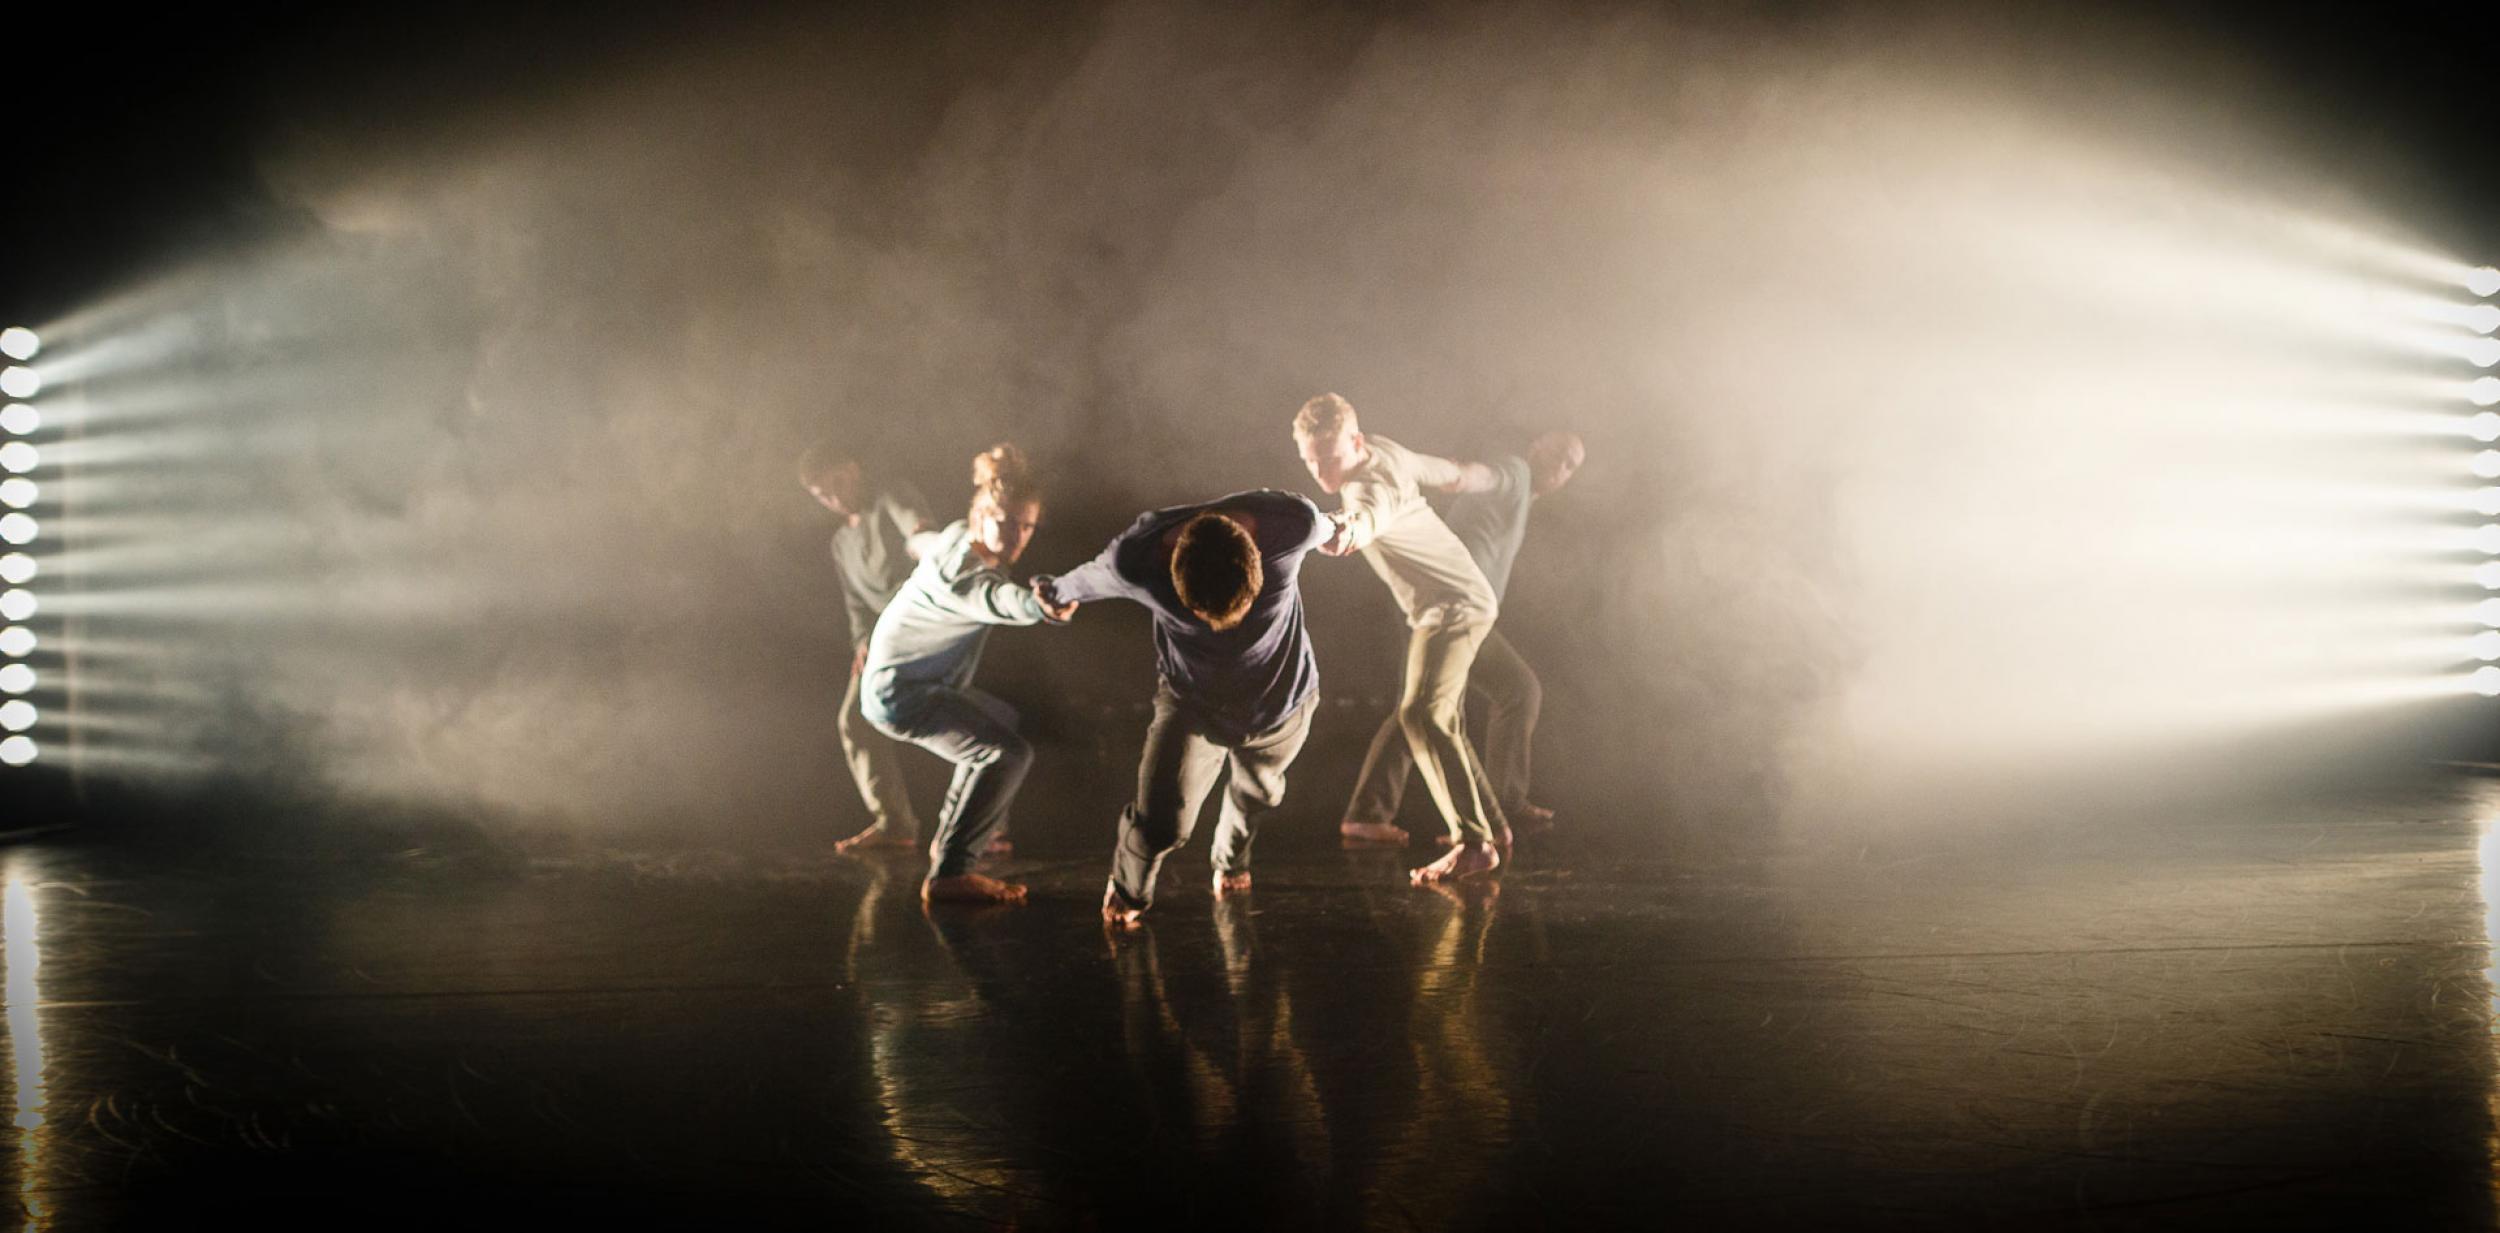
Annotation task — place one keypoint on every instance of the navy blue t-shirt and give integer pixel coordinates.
(1237, 682)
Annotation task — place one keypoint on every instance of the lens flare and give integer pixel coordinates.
(2488, 612)
(2487, 682)
(2484, 391)
(18, 605)
(2484, 318)
(2488, 574)
(17, 528)
(2487, 464)
(19, 678)
(19, 418)
(17, 492)
(17, 751)
(17, 715)
(19, 343)
(2484, 352)
(17, 569)
(2486, 645)
(2483, 281)
(19, 381)
(19, 457)
(16, 640)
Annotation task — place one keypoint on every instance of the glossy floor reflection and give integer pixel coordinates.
(2275, 1021)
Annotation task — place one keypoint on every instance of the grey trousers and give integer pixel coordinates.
(1512, 698)
(1179, 767)
(1432, 709)
(977, 732)
(876, 766)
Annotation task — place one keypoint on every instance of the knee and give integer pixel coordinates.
(1156, 825)
(1416, 718)
(850, 725)
(1531, 695)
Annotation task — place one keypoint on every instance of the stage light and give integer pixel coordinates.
(17, 569)
(16, 640)
(2487, 502)
(2486, 464)
(2487, 539)
(2484, 281)
(17, 715)
(17, 528)
(19, 343)
(17, 751)
(19, 381)
(17, 492)
(2484, 318)
(18, 678)
(2484, 352)
(2487, 682)
(2488, 612)
(2487, 644)
(17, 605)
(21, 419)
(19, 457)
(2484, 392)
(2488, 574)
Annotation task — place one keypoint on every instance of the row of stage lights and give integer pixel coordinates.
(2484, 392)
(18, 531)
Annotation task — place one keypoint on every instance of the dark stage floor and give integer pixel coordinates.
(2277, 1021)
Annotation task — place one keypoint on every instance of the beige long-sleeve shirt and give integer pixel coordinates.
(1435, 580)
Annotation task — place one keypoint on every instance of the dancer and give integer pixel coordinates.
(872, 555)
(1490, 516)
(1236, 679)
(1449, 608)
(921, 659)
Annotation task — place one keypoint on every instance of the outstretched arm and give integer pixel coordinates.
(1447, 476)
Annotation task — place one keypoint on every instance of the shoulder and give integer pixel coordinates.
(953, 559)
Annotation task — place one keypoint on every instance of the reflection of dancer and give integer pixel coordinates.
(1448, 603)
(872, 553)
(1489, 516)
(920, 663)
(1237, 680)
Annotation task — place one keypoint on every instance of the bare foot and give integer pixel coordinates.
(875, 840)
(1464, 860)
(1116, 914)
(970, 888)
(1503, 840)
(1531, 818)
(1001, 846)
(1370, 834)
(1231, 883)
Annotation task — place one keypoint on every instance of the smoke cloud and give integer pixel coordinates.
(1966, 396)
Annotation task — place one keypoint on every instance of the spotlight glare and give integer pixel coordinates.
(2487, 682)
(2487, 644)
(2485, 318)
(19, 381)
(17, 528)
(2484, 391)
(2487, 502)
(2488, 612)
(17, 492)
(2484, 352)
(2488, 574)
(2484, 281)
(2485, 426)
(17, 715)
(17, 751)
(17, 569)
(16, 640)
(17, 605)
(21, 419)
(18, 678)
(2486, 464)
(19, 457)
(19, 343)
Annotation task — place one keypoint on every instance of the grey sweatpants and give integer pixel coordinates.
(977, 732)
(1179, 766)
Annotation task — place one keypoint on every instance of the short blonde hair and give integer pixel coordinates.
(1324, 417)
